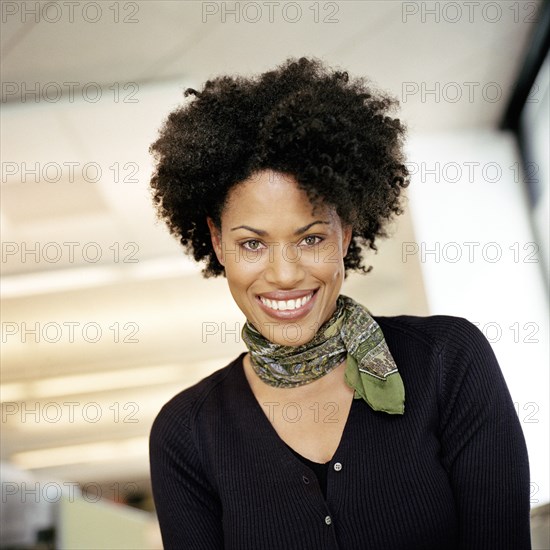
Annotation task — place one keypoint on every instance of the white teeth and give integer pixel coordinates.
(285, 305)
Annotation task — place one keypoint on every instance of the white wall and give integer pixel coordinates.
(467, 189)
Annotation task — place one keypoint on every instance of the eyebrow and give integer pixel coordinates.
(262, 233)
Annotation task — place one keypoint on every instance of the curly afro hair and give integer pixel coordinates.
(329, 132)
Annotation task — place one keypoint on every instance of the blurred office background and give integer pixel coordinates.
(104, 319)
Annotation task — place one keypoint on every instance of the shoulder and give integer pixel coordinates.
(179, 412)
(455, 348)
(464, 362)
(442, 332)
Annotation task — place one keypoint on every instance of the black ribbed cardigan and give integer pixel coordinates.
(452, 472)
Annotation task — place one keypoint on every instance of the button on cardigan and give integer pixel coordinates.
(450, 473)
(320, 470)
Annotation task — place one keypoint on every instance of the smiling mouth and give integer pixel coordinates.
(287, 305)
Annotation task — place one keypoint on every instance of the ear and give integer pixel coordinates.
(347, 233)
(216, 237)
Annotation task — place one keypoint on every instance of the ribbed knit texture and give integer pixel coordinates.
(451, 473)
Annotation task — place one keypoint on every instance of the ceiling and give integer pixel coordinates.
(81, 248)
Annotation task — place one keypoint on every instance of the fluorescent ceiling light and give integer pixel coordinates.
(103, 451)
(104, 381)
(60, 280)
(91, 383)
(12, 392)
(107, 380)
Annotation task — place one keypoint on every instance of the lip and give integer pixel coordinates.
(287, 294)
(288, 315)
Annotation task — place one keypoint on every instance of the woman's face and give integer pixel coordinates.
(284, 263)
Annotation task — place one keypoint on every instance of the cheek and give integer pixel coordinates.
(329, 262)
(240, 270)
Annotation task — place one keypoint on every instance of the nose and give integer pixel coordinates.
(284, 268)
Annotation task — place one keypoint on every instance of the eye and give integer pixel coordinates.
(312, 240)
(252, 244)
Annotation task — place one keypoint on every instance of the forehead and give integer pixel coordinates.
(272, 193)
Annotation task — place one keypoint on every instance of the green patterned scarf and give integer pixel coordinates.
(351, 334)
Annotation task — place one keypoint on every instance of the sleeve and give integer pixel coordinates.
(188, 508)
(482, 444)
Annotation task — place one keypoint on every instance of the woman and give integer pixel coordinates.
(308, 441)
